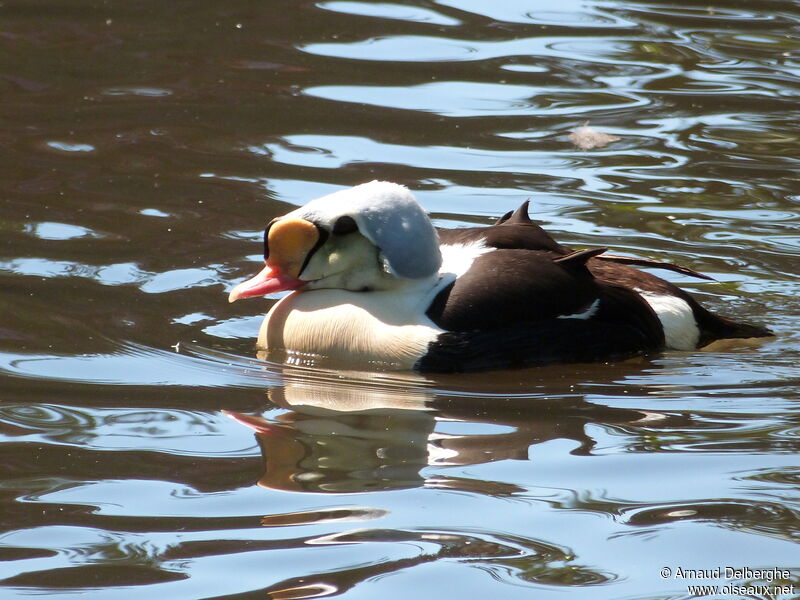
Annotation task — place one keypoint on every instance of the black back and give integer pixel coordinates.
(505, 309)
(511, 286)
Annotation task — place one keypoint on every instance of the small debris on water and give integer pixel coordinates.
(587, 138)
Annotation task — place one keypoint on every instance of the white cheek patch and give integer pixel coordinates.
(680, 328)
(349, 262)
(458, 258)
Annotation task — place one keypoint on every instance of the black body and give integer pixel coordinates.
(511, 307)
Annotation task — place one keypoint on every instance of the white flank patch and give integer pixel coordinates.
(677, 319)
(458, 258)
(586, 314)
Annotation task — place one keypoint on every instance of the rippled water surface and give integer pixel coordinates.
(145, 144)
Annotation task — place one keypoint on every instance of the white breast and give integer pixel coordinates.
(677, 319)
(386, 327)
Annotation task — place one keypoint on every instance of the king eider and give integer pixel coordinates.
(374, 282)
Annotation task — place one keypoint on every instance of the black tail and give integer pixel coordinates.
(716, 327)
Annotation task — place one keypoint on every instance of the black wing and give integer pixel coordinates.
(624, 326)
(516, 231)
(510, 286)
(504, 288)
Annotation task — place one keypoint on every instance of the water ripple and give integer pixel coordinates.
(387, 10)
(476, 99)
(407, 48)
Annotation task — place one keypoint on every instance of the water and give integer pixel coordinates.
(144, 145)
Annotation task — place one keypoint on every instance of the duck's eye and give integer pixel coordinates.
(344, 225)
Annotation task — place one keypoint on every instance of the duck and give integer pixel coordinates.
(372, 282)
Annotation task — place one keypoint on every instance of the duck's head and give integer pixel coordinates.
(374, 236)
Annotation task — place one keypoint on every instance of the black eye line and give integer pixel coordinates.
(266, 238)
(323, 237)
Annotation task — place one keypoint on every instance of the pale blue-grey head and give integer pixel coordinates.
(389, 216)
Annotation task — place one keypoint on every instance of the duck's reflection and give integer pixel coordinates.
(341, 437)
